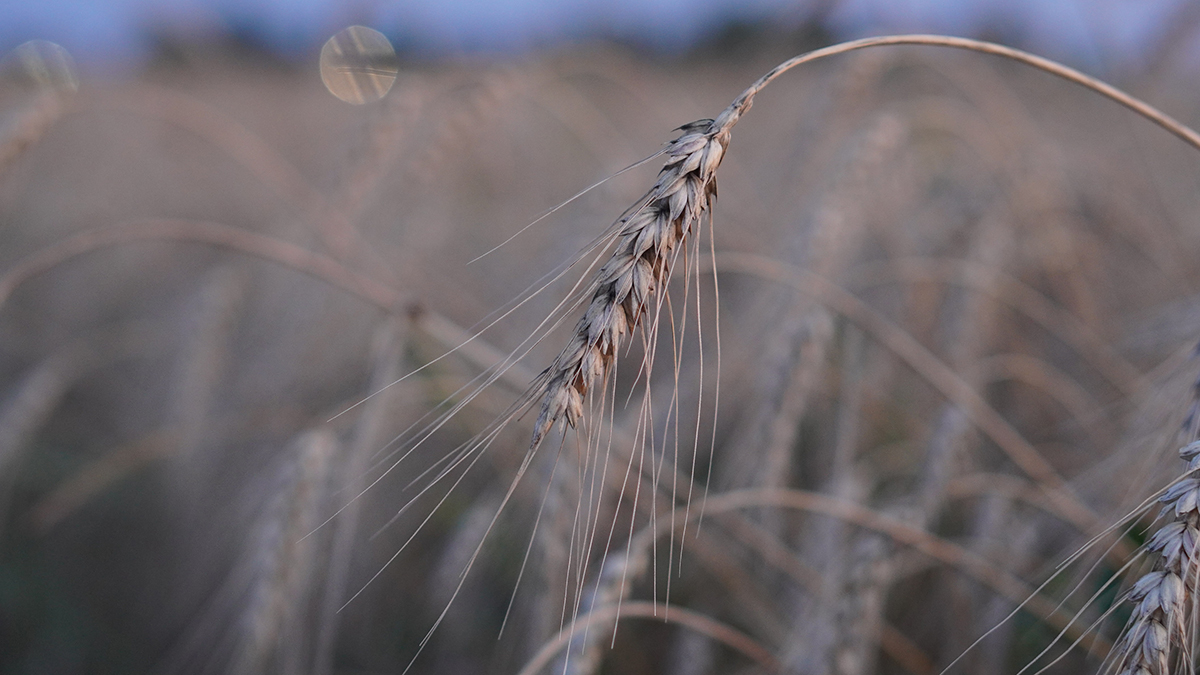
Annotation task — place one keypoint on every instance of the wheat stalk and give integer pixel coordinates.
(652, 230)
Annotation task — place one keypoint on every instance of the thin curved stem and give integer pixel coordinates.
(743, 102)
(317, 265)
(700, 623)
(933, 369)
(1018, 295)
(215, 234)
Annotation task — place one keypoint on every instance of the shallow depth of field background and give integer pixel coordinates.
(205, 256)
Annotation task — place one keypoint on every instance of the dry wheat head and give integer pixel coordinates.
(626, 287)
(1164, 613)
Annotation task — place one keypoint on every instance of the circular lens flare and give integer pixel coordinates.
(358, 65)
(47, 64)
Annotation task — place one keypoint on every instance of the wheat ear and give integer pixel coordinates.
(285, 560)
(1164, 613)
(624, 289)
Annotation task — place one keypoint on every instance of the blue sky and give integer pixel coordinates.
(115, 34)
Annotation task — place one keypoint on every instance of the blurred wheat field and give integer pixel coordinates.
(929, 263)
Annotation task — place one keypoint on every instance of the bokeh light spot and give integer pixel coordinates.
(358, 65)
(47, 64)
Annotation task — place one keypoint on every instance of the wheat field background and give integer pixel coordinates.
(957, 308)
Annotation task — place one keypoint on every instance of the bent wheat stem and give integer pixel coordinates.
(684, 193)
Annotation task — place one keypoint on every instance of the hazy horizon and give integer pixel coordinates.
(119, 35)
